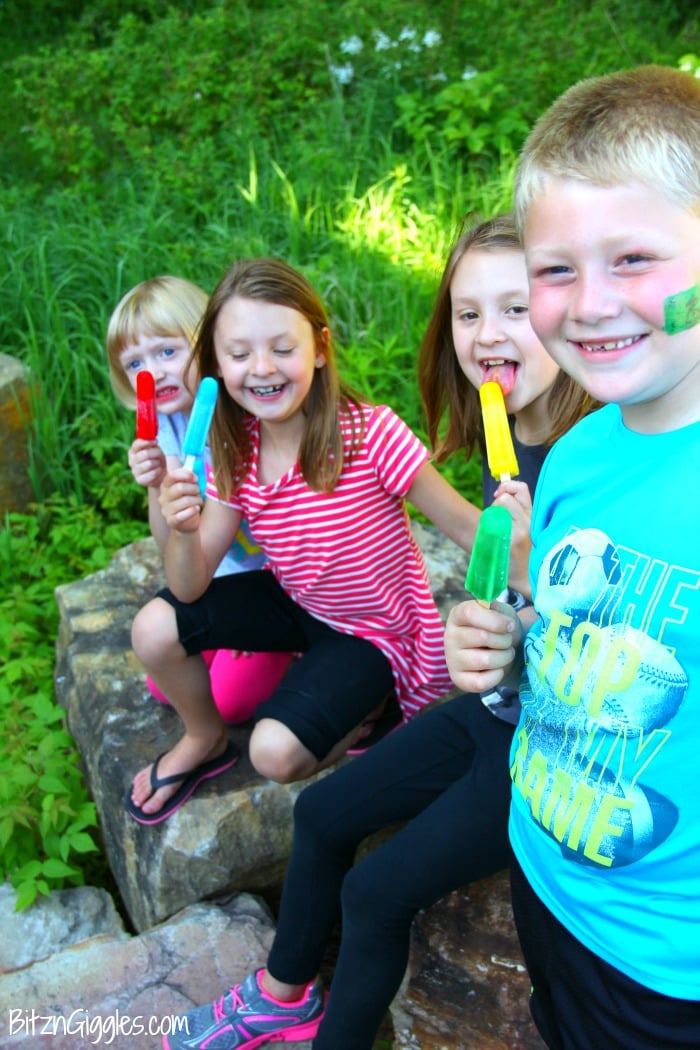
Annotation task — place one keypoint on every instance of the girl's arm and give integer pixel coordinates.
(459, 519)
(198, 535)
(149, 466)
(515, 497)
(156, 521)
(443, 505)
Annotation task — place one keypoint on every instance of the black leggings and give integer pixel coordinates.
(445, 778)
(338, 680)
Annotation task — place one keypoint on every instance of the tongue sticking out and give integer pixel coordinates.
(504, 375)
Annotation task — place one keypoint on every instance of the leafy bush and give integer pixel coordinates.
(48, 823)
(175, 89)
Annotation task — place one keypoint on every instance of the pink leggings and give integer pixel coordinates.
(239, 681)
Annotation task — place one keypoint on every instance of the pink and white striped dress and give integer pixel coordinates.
(349, 557)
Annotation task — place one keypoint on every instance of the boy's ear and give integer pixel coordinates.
(322, 346)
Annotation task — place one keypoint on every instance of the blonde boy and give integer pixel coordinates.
(605, 814)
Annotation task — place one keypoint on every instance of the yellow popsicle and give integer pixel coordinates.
(499, 443)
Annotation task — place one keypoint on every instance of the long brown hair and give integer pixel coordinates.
(321, 450)
(446, 392)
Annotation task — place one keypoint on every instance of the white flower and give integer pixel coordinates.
(343, 74)
(407, 33)
(381, 41)
(352, 46)
(469, 72)
(431, 38)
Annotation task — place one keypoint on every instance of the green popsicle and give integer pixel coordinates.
(487, 574)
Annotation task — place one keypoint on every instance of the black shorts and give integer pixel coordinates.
(325, 694)
(581, 1002)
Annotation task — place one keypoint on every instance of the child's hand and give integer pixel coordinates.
(480, 644)
(180, 500)
(147, 463)
(515, 497)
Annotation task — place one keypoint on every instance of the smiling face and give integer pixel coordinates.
(493, 337)
(166, 358)
(603, 261)
(267, 357)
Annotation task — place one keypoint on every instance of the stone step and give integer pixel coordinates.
(125, 992)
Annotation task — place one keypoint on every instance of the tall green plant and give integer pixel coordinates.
(48, 824)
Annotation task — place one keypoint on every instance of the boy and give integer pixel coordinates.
(605, 813)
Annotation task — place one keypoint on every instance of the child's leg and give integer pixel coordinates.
(241, 680)
(458, 835)
(153, 689)
(581, 1002)
(247, 611)
(316, 713)
(452, 789)
(185, 681)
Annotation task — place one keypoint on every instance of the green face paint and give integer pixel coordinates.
(682, 311)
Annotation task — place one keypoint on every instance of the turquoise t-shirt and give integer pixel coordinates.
(605, 819)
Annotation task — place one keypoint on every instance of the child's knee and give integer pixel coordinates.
(276, 753)
(154, 634)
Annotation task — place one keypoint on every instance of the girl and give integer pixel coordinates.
(444, 778)
(153, 327)
(321, 478)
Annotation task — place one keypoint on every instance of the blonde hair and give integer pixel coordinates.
(638, 125)
(162, 306)
(445, 390)
(321, 451)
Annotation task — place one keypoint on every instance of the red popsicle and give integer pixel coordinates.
(146, 414)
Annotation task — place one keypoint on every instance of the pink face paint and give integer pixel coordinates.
(682, 310)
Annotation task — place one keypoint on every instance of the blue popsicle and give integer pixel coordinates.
(200, 420)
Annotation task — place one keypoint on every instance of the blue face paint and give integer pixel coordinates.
(682, 311)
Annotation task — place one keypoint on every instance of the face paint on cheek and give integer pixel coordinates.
(682, 310)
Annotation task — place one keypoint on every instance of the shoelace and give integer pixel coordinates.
(219, 1004)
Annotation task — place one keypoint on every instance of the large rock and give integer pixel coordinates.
(235, 832)
(126, 992)
(466, 985)
(15, 485)
(53, 923)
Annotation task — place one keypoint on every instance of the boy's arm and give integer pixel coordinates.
(483, 646)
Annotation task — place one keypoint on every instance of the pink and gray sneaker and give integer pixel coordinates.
(246, 1017)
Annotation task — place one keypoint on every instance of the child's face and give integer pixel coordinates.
(491, 327)
(603, 262)
(267, 357)
(166, 358)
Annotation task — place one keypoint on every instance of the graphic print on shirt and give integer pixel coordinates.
(601, 693)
